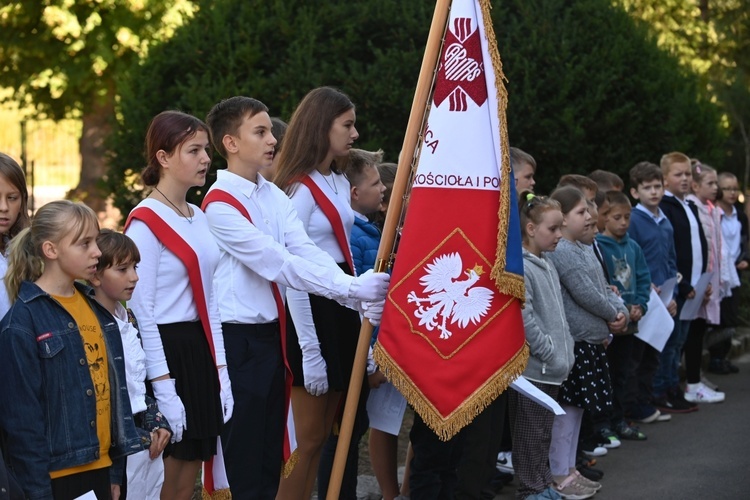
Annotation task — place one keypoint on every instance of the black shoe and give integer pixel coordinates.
(590, 473)
(719, 367)
(732, 368)
(674, 402)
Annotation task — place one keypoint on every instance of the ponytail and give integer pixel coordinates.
(23, 263)
(52, 222)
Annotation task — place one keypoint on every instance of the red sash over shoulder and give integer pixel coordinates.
(219, 195)
(186, 254)
(333, 216)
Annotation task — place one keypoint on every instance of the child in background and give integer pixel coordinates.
(524, 168)
(550, 344)
(629, 272)
(607, 181)
(582, 183)
(704, 189)
(690, 255)
(383, 446)
(734, 228)
(65, 410)
(592, 310)
(655, 235)
(114, 283)
(14, 215)
(366, 196)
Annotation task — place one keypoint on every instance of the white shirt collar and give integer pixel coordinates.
(245, 186)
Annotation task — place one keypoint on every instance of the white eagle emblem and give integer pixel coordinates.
(449, 297)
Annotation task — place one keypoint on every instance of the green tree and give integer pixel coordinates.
(277, 51)
(588, 88)
(713, 38)
(65, 59)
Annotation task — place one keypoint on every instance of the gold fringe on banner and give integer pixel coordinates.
(224, 494)
(288, 466)
(447, 427)
(508, 283)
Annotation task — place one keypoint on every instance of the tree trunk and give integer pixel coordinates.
(97, 125)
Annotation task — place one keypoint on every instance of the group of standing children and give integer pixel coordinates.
(586, 294)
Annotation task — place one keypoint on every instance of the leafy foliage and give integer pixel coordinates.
(588, 88)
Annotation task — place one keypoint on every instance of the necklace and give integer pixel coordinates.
(189, 219)
(335, 189)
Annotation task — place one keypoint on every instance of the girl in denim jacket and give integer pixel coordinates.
(65, 405)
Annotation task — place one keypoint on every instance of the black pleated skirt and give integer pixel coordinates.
(588, 385)
(197, 382)
(337, 328)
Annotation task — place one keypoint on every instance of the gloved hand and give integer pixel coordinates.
(227, 399)
(314, 370)
(370, 286)
(171, 406)
(373, 311)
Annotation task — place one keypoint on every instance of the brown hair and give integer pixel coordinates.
(606, 180)
(699, 170)
(13, 173)
(618, 198)
(278, 129)
(167, 131)
(578, 181)
(518, 157)
(226, 117)
(307, 143)
(645, 171)
(568, 197)
(52, 222)
(116, 248)
(359, 160)
(670, 159)
(531, 208)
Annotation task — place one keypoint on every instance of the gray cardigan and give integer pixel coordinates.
(589, 302)
(544, 320)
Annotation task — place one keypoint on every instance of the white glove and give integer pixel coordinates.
(314, 370)
(227, 399)
(373, 311)
(171, 406)
(370, 286)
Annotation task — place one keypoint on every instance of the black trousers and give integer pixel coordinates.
(75, 485)
(433, 469)
(482, 442)
(254, 437)
(349, 481)
(624, 356)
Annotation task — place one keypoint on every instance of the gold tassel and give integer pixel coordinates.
(223, 494)
(288, 466)
(507, 283)
(447, 427)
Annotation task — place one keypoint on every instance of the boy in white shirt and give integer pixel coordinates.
(114, 283)
(259, 258)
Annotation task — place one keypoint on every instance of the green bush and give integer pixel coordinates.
(587, 89)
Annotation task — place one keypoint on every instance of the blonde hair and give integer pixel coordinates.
(531, 208)
(52, 223)
(670, 159)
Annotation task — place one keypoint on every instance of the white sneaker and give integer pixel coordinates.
(504, 462)
(700, 393)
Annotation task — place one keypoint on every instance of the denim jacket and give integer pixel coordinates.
(48, 401)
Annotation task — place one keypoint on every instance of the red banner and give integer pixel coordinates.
(451, 338)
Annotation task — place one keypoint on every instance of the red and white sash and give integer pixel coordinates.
(330, 211)
(219, 195)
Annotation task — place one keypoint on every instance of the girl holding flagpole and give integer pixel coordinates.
(174, 301)
(322, 334)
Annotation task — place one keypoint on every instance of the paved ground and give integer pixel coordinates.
(702, 455)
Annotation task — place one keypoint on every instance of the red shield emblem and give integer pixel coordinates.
(461, 70)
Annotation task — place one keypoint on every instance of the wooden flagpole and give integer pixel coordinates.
(388, 238)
